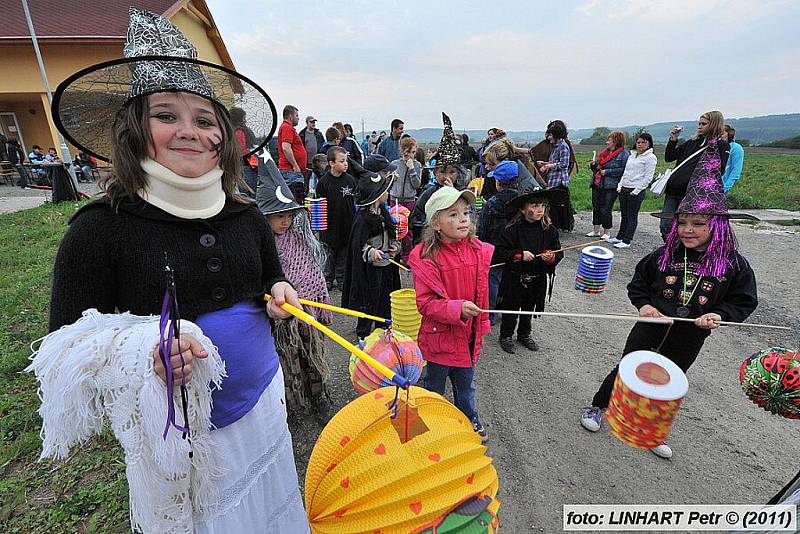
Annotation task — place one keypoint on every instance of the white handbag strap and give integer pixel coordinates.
(690, 157)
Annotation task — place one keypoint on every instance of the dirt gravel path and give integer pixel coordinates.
(727, 450)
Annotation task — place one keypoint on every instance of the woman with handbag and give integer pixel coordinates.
(687, 154)
(632, 188)
(607, 170)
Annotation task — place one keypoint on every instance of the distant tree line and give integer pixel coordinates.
(789, 142)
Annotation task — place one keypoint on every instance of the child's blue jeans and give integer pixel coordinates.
(463, 388)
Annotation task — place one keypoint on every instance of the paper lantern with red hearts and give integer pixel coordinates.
(771, 379)
(415, 472)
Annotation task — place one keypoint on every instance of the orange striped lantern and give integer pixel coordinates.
(646, 397)
(424, 470)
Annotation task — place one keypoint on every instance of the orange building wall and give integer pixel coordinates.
(61, 59)
(34, 127)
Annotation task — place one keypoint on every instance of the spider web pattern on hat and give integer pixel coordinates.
(151, 35)
(158, 58)
(705, 194)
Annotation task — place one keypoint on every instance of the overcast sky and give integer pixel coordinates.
(517, 64)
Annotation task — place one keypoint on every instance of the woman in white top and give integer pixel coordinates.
(632, 188)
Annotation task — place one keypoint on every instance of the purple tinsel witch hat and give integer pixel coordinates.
(705, 194)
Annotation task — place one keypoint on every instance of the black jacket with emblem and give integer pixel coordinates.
(341, 193)
(732, 296)
(112, 259)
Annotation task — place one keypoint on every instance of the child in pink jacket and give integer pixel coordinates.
(450, 269)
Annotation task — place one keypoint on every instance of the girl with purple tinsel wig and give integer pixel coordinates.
(697, 274)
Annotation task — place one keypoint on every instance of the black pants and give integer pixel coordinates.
(383, 306)
(682, 345)
(602, 204)
(629, 206)
(335, 266)
(561, 208)
(518, 297)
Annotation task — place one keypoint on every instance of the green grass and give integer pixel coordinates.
(768, 181)
(89, 492)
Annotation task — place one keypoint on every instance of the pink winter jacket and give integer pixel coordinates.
(459, 273)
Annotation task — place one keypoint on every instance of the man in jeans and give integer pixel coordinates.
(292, 159)
(313, 141)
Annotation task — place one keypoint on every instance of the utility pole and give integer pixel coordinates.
(64, 148)
(363, 133)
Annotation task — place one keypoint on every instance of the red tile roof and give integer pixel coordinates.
(85, 19)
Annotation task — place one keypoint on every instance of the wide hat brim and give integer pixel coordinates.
(730, 215)
(370, 192)
(85, 105)
(516, 203)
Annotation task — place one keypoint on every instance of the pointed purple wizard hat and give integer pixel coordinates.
(705, 194)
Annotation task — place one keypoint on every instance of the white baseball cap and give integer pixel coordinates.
(446, 197)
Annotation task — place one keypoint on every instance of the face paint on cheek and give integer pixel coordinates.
(215, 145)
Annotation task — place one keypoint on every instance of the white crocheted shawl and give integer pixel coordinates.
(101, 368)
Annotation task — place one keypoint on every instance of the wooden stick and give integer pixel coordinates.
(344, 311)
(634, 318)
(579, 245)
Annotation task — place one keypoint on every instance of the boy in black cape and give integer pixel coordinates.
(369, 276)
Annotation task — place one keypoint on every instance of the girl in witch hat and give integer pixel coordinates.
(162, 117)
(448, 171)
(301, 348)
(369, 276)
(525, 247)
(697, 273)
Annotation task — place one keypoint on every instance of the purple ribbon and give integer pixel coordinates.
(167, 332)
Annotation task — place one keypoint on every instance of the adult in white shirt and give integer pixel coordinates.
(632, 188)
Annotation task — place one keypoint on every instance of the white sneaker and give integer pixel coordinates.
(592, 234)
(591, 418)
(605, 237)
(622, 244)
(662, 451)
(613, 241)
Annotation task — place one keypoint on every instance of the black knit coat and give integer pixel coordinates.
(113, 258)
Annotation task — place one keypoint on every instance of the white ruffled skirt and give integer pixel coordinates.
(259, 492)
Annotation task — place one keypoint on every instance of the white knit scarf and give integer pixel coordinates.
(187, 198)
(100, 369)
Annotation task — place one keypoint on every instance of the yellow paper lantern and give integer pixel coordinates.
(405, 316)
(371, 473)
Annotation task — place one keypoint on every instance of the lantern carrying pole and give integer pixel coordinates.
(309, 319)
